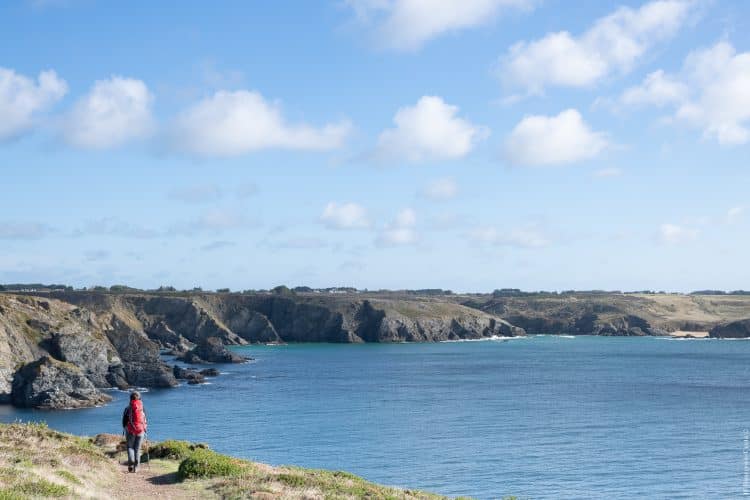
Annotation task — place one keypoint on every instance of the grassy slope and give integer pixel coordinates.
(37, 462)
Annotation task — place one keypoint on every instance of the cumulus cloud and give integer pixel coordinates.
(114, 112)
(657, 89)
(614, 44)
(400, 231)
(409, 24)
(441, 189)
(429, 130)
(521, 237)
(240, 122)
(711, 93)
(721, 106)
(22, 99)
(674, 234)
(553, 140)
(344, 216)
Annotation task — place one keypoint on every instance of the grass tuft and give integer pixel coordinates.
(43, 488)
(69, 476)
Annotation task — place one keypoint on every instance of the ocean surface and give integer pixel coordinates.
(537, 417)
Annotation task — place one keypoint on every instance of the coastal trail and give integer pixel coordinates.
(156, 479)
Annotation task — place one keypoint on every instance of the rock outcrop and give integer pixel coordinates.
(733, 330)
(49, 384)
(212, 350)
(190, 376)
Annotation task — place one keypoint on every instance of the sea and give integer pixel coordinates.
(536, 417)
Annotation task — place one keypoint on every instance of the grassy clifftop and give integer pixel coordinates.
(37, 462)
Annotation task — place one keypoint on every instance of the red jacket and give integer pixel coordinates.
(137, 419)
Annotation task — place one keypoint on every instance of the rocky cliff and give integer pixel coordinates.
(613, 313)
(117, 339)
(732, 330)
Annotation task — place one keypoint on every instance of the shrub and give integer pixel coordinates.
(171, 449)
(204, 463)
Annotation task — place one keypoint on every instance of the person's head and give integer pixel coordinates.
(135, 395)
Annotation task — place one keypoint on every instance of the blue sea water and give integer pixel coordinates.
(538, 417)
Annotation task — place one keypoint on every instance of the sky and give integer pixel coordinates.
(459, 144)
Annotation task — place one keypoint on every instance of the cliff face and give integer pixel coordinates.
(733, 330)
(614, 314)
(115, 340)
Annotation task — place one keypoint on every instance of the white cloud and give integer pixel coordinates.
(409, 24)
(553, 140)
(22, 100)
(613, 44)
(608, 172)
(674, 234)
(658, 89)
(441, 189)
(722, 106)
(235, 123)
(344, 216)
(522, 237)
(734, 213)
(711, 93)
(429, 130)
(114, 112)
(400, 231)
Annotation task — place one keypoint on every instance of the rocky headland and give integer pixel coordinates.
(61, 349)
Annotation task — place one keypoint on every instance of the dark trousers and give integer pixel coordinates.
(134, 448)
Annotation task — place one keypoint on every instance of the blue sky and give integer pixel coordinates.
(468, 145)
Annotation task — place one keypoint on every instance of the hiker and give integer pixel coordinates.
(134, 423)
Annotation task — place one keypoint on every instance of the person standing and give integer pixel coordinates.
(134, 422)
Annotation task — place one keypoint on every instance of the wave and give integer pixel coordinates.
(483, 339)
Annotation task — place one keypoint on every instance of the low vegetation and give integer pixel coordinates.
(37, 462)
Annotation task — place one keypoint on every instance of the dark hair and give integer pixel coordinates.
(135, 395)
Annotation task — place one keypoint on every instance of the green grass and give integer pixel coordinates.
(203, 463)
(69, 476)
(11, 494)
(43, 488)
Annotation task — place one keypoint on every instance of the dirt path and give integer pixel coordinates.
(157, 479)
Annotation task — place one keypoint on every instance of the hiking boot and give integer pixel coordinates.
(131, 468)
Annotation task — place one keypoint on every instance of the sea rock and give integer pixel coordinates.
(210, 372)
(212, 350)
(51, 384)
(191, 376)
(733, 330)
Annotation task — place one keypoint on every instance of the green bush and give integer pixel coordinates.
(171, 449)
(203, 463)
